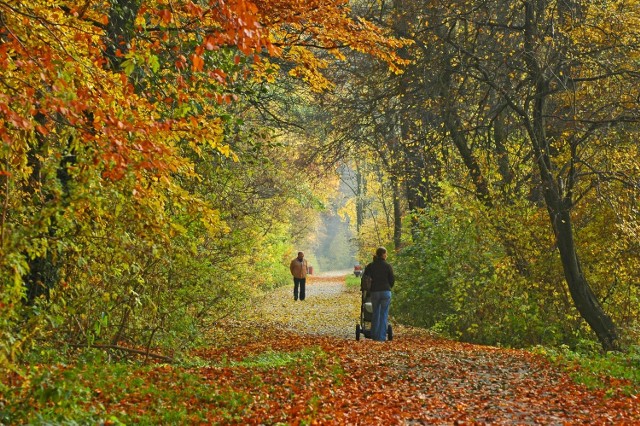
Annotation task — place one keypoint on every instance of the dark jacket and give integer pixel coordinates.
(382, 273)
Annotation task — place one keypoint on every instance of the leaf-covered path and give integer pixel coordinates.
(328, 310)
(415, 379)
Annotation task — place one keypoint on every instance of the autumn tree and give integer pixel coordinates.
(122, 125)
(525, 106)
(566, 65)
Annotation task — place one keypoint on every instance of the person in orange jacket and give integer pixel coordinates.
(299, 269)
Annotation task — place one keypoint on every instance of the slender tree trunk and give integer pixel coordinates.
(360, 197)
(559, 209)
(43, 272)
(453, 125)
(585, 300)
(397, 215)
(499, 138)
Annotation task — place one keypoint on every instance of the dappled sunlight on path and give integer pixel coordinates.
(330, 308)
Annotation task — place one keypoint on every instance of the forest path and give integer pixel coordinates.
(414, 379)
(280, 362)
(329, 308)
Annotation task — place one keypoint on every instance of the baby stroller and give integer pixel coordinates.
(366, 313)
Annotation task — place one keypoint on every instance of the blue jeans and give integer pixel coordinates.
(298, 282)
(380, 301)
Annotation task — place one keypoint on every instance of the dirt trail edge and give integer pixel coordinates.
(414, 379)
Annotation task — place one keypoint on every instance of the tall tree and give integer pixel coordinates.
(563, 81)
(539, 101)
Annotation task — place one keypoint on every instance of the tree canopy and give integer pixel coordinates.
(521, 117)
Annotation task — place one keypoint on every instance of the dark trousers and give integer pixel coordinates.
(298, 284)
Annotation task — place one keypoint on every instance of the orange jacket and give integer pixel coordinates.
(299, 269)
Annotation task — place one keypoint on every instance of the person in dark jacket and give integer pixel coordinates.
(383, 279)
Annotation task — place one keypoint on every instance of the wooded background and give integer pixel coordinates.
(161, 162)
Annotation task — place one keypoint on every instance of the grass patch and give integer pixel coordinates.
(612, 372)
(274, 359)
(117, 393)
(352, 281)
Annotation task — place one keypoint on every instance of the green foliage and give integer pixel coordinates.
(456, 279)
(442, 276)
(352, 281)
(304, 358)
(492, 274)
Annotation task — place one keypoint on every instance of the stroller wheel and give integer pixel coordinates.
(389, 332)
(358, 331)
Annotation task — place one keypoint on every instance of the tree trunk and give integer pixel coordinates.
(585, 300)
(360, 197)
(558, 201)
(397, 215)
(452, 124)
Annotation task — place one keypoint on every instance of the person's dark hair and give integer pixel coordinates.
(380, 251)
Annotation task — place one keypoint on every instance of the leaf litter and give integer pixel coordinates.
(415, 379)
(280, 362)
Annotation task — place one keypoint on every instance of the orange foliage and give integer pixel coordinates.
(58, 83)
